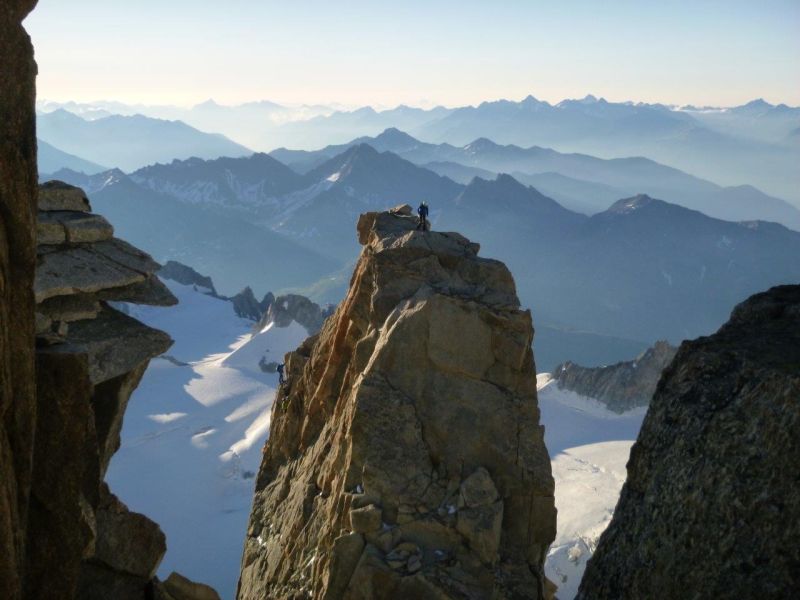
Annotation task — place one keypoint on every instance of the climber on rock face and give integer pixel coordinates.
(281, 378)
(422, 211)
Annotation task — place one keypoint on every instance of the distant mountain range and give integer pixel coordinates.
(734, 146)
(754, 144)
(580, 182)
(640, 270)
(130, 142)
(51, 159)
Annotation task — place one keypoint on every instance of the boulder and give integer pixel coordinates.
(115, 344)
(478, 489)
(481, 526)
(70, 308)
(710, 507)
(365, 519)
(414, 403)
(346, 552)
(403, 210)
(181, 588)
(59, 227)
(78, 270)
(89, 268)
(59, 196)
(127, 541)
(150, 291)
(100, 583)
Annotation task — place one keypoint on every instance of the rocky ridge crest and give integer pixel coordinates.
(282, 310)
(405, 456)
(621, 386)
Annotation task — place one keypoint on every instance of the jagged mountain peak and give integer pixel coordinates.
(210, 103)
(636, 202)
(392, 135)
(481, 144)
(758, 103)
(506, 197)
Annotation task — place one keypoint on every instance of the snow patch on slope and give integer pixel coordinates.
(589, 447)
(193, 432)
(262, 345)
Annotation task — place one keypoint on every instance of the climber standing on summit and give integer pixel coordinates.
(422, 211)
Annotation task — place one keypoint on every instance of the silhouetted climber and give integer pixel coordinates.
(281, 378)
(422, 211)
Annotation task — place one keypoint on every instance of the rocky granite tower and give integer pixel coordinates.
(406, 458)
(711, 507)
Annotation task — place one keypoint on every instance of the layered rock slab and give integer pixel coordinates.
(710, 507)
(405, 457)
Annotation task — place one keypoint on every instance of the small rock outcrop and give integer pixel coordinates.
(622, 386)
(710, 507)
(186, 275)
(282, 310)
(246, 306)
(405, 457)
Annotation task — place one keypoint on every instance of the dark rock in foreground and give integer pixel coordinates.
(711, 507)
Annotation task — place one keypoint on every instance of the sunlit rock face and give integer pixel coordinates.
(405, 457)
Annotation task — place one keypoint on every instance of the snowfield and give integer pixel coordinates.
(589, 447)
(194, 429)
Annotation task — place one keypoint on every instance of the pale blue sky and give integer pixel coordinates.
(418, 52)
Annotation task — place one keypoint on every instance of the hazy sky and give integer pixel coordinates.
(417, 51)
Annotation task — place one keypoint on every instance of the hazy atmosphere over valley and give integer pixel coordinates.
(366, 300)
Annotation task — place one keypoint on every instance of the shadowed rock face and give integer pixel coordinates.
(621, 386)
(710, 508)
(405, 457)
(17, 259)
(83, 542)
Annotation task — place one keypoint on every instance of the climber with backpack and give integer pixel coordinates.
(422, 211)
(281, 378)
